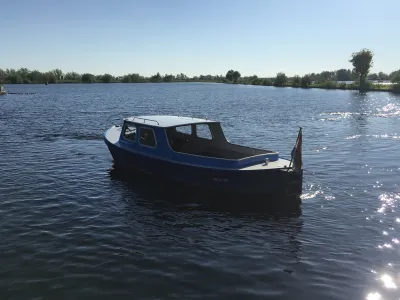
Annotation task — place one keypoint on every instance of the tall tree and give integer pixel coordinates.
(305, 81)
(280, 79)
(229, 75)
(362, 63)
(24, 72)
(236, 76)
(58, 73)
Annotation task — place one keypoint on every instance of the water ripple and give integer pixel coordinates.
(70, 229)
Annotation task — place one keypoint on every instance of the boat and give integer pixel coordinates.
(195, 151)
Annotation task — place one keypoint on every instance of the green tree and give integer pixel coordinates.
(327, 76)
(58, 74)
(305, 81)
(253, 80)
(3, 75)
(236, 76)
(362, 63)
(394, 75)
(107, 78)
(73, 76)
(280, 79)
(383, 76)
(343, 75)
(135, 77)
(14, 78)
(156, 78)
(396, 82)
(229, 75)
(126, 79)
(267, 81)
(296, 81)
(23, 72)
(181, 76)
(50, 77)
(88, 78)
(168, 78)
(373, 76)
(36, 77)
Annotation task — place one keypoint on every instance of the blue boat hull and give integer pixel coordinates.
(269, 182)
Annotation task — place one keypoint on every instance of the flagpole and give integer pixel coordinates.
(297, 140)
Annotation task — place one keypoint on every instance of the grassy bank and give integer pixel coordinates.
(332, 85)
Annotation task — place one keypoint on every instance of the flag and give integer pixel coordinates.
(296, 152)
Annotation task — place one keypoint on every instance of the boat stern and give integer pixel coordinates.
(293, 182)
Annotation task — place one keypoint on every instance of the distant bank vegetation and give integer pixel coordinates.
(357, 78)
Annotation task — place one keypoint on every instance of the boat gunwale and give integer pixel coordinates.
(216, 159)
(234, 169)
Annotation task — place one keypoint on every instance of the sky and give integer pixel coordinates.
(257, 37)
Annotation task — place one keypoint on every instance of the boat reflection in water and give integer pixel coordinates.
(153, 191)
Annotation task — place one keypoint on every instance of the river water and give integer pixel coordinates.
(70, 229)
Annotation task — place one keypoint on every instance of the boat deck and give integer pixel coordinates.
(280, 163)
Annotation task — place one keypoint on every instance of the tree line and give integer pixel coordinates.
(362, 61)
(24, 75)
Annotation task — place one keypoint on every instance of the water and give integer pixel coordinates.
(70, 229)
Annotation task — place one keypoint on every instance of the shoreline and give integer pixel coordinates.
(391, 88)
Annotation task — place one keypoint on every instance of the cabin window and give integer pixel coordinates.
(129, 132)
(147, 137)
(187, 129)
(203, 131)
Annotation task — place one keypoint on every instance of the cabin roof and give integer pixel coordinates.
(166, 120)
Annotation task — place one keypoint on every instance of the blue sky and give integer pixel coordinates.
(260, 37)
